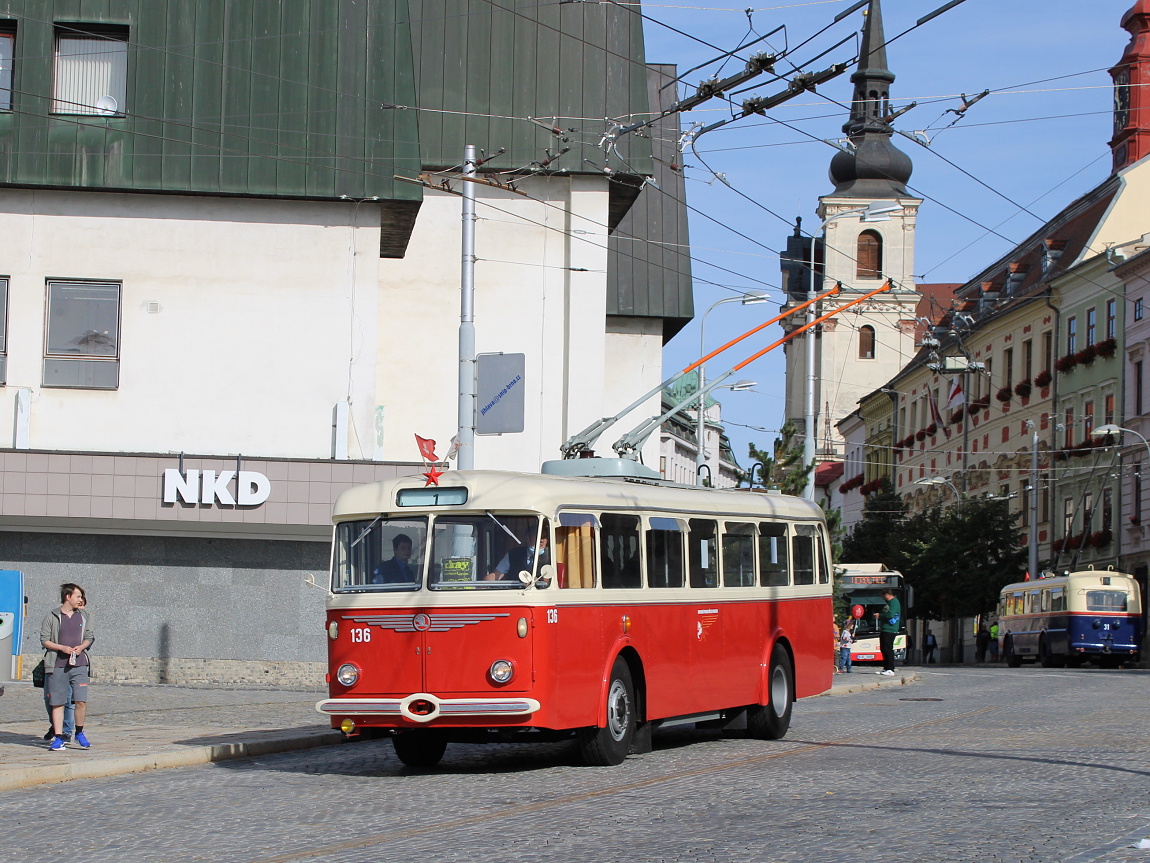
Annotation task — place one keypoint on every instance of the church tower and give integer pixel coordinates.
(1131, 140)
(867, 238)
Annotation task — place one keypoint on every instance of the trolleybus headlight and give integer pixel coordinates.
(347, 674)
(502, 670)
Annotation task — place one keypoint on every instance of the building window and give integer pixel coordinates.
(7, 52)
(3, 331)
(91, 70)
(1107, 509)
(1138, 309)
(1008, 367)
(1027, 359)
(1108, 409)
(1071, 335)
(1138, 411)
(1047, 351)
(1111, 319)
(1067, 516)
(1068, 429)
(1087, 420)
(1137, 491)
(866, 342)
(1091, 326)
(869, 255)
(83, 335)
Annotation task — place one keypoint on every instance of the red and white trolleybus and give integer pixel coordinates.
(500, 605)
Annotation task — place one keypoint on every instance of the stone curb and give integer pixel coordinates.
(15, 778)
(901, 679)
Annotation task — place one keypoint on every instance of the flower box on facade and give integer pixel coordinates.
(1043, 378)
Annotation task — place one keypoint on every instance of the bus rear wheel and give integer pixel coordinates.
(1047, 658)
(771, 721)
(419, 748)
(609, 745)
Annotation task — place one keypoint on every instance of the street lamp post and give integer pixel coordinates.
(875, 211)
(701, 424)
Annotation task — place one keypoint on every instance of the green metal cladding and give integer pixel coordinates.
(292, 97)
(249, 97)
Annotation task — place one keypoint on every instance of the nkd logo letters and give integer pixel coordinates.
(208, 487)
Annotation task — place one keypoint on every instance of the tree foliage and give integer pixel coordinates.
(783, 468)
(957, 559)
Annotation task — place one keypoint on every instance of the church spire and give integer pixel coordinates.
(875, 168)
(872, 79)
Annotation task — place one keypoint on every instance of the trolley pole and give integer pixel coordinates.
(466, 432)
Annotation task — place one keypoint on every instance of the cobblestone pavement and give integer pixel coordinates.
(987, 764)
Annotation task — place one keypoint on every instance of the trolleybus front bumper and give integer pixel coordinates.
(424, 707)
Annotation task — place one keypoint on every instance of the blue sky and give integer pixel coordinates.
(1037, 141)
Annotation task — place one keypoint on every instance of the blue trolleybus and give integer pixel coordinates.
(1067, 619)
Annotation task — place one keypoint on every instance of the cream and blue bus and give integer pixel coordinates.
(1068, 619)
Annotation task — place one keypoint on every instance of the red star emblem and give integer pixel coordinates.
(433, 476)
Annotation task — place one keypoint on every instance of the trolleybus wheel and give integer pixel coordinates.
(421, 748)
(1044, 655)
(609, 745)
(771, 721)
(1013, 660)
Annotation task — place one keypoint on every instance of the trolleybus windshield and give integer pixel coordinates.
(388, 554)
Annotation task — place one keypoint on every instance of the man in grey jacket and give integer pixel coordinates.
(66, 634)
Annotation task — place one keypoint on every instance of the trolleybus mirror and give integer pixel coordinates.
(546, 575)
(525, 576)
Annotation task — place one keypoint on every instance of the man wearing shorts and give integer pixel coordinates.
(66, 634)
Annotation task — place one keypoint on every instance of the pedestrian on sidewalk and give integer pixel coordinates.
(994, 641)
(846, 639)
(66, 634)
(981, 644)
(930, 644)
(69, 706)
(888, 622)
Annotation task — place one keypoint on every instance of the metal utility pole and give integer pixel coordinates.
(1032, 542)
(466, 433)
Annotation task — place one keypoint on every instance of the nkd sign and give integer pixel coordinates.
(210, 486)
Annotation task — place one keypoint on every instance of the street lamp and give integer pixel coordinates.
(1111, 430)
(736, 387)
(748, 299)
(939, 480)
(875, 211)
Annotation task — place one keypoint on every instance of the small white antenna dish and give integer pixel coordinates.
(107, 105)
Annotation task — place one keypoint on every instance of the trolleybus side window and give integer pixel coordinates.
(575, 549)
(773, 570)
(738, 554)
(824, 561)
(379, 554)
(665, 552)
(702, 550)
(482, 551)
(619, 551)
(1105, 600)
(1032, 604)
(1057, 599)
(804, 553)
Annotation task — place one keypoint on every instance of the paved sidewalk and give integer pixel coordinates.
(139, 727)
